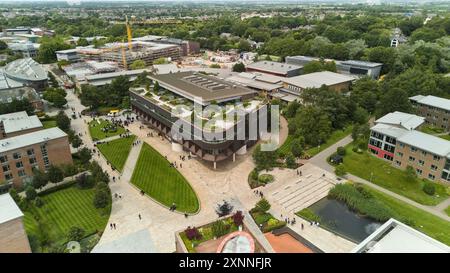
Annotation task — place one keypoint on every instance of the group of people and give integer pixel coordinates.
(175, 165)
(137, 142)
(259, 193)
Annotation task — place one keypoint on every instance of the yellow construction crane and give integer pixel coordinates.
(128, 25)
(124, 60)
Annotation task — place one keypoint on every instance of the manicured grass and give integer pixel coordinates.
(425, 222)
(431, 130)
(446, 137)
(116, 151)
(286, 147)
(334, 137)
(389, 177)
(95, 129)
(62, 210)
(49, 124)
(163, 183)
(447, 210)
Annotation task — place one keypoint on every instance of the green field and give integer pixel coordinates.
(447, 210)
(116, 151)
(62, 210)
(95, 129)
(163, 183)
(286, 147)
(425, 222)
(389, 177)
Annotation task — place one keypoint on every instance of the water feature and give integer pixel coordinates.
(340, 219)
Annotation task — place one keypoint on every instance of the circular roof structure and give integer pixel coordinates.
(25, 69)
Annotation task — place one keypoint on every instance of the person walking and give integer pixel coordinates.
(140, 218)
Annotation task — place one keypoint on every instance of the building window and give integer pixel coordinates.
(17, 155)
(22, 173)
(8, 176)
(402, 145)
(421, 162)
(413, 149)
(419, 171)
(399, 154)
(424, 153)
(33, 161)
(398, 163)
(436, 158)
(3, 158)
(19, 164)
(30, 152)
(431, 176)
(6, 168)
(374, 151)
(388, 157)
(389, 148)
(434, 167)
(412, 159)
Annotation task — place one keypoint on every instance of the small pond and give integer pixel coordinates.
(340, 219)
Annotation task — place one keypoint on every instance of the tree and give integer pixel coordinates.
(238, 67)
(355, 48)
(82, 42)
(138, 64)
(40, 179)
(291, 109)
(53, 82)
(214, 66)
(341, 151)
(244, 45)
(340, 170)
(384, 55)
(48, 48)
(394, 100)
(411, 175)
(429, 188)
(63, 121)
(317, 66)
(224, 209)
(55, 174)
(3, 45)
(312, 123)
(161, 60)
(84, 155)
(101, 196)
(264, 159)
(290, 161)
(156, 87)
(75, 234)
(238, 218)
(56, 96)
(16, 106)
(30, 193)
(263, 205)
(84, 181)
(297, 147)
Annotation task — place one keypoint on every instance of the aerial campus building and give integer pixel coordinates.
(177, 94)
(436, 110)
(25, 72)
(352, 67)
(13, 238)
(395, 138)
(25, 146)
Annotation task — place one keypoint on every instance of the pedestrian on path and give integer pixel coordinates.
(114, 225)
(140, 218)
(302, 226)
(111, 225)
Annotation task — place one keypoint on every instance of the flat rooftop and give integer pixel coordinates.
(195, 86)
(405, 120)
(19, 121)
(433, 101)
(274, 67)
(317, 79)
(396, 237)
(9, 144)
(8, 209)
(26, 69)
(426, 142)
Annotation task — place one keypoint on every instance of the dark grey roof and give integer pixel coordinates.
(194, 85)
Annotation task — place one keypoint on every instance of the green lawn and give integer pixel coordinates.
(286, 147)
(389, 177)
(95, 129)
(334, 137)
(446, 137)
(447, 210)
(425, 222)
(49, 124)
(116, 151)
(62, 210)
(163, 183)
(428, 129)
